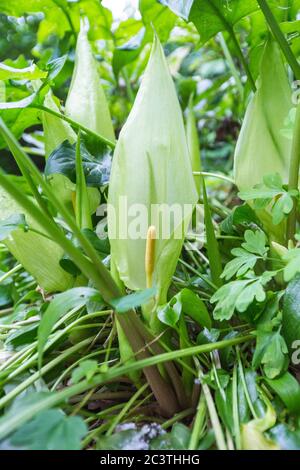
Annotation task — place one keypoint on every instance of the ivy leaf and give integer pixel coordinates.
(86, 369)
(50, 430)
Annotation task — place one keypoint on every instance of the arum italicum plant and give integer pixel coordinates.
(168, 389)
(151, 169)
(263, 148)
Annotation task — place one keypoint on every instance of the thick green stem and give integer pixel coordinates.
(294, 177)
(280, 38)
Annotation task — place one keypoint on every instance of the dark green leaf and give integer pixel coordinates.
(63, 161)
(50, 430)
(288, 389)
(291, 312)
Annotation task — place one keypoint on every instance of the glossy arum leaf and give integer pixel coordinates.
(86, 102)
(38, 255)
(288, 389)
(168, 315)
(180, 7)
(123, 304)
(291, 312)
(212, 16)
(63, 161)
(261, 148)
(128, 52)
(50, 430)
(158, 17)
(14, 222)
(57, 132)
(188, 303)
(151, 168)
(59, 306)
(32, 72)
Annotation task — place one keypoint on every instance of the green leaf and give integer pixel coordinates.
(292, 259)
(158, 17)
(29, 73)
(50, 430)
(62, 303)
(14, 222)
(240, 265)
(212, 16)
(194, 307)
(253, 249)
(275, 356)
(128, 52)
(291, 312)
(288, 389)
(96, 169)
(287, 438)
(168, 315)
(86, 369)
(38, 255)
(255, 242)
(123, 304)
(238, 295)
(180, 7)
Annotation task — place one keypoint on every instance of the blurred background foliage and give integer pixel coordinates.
(209, 68)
